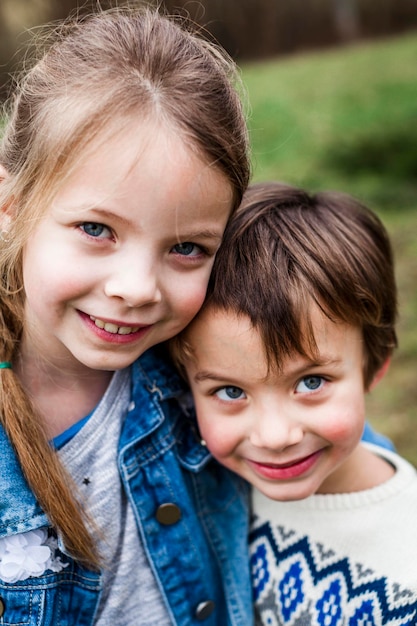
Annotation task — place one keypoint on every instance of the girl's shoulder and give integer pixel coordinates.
(19, 509)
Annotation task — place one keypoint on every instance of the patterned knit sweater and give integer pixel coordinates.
(338, 560)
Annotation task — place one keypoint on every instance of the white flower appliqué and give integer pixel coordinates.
(28, 554)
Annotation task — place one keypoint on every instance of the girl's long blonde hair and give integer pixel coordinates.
(97, 74)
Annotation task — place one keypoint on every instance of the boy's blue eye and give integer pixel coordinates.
(309, 383)
(93, 229)
(230, 393)
(187, 249)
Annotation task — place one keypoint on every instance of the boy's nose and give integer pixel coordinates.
(274, 430)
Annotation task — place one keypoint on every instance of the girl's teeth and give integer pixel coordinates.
(112, 328)
(97, 322)
(125, 330)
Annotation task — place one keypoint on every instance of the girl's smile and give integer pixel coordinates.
(111, 327)
(115, 332)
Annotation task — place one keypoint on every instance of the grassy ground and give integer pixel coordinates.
(347, 119)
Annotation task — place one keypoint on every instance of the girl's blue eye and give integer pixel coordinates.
(93, 229)
(187, 249)
(230, 393)
(309, 383)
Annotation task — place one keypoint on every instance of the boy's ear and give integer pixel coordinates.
(380, 373)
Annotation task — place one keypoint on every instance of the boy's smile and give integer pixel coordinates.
(290, 433)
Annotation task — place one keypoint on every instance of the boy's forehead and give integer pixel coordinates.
(216, 331)
(220, 343)
(224, 319)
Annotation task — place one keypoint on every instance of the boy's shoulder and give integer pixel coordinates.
(372, 436)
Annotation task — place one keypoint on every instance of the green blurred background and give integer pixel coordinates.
(332, 91)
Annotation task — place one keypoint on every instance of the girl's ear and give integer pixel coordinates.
(380, 373)
(5, 217)
(3, 172)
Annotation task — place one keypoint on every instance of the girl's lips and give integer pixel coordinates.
(112, 332)
(285, 471)
(115, 329)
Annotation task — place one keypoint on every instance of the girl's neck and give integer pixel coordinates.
(62, 396)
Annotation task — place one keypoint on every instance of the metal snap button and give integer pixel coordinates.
(204, 610)
(168, 513)
(2, 607)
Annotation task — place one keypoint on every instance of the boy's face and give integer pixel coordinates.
(291, 433)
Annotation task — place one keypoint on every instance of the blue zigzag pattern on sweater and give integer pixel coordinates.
(290, 588)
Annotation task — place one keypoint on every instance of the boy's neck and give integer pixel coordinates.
(362, 470)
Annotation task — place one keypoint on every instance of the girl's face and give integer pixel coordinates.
(121, 260)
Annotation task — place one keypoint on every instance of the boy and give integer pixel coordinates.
(299, 323)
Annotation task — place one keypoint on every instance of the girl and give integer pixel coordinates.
(123, 157)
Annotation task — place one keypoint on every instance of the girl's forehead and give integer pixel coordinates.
(129, 142)
(142, 174)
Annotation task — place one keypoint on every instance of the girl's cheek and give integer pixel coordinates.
(191, 302)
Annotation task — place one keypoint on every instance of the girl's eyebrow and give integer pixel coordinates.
(204, 234)
(106, 214)
(103, 214)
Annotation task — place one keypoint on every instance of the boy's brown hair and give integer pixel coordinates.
(284, 251)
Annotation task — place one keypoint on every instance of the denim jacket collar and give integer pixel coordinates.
(154, 382)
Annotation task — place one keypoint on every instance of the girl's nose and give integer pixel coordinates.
(274, 430)
(134, 279)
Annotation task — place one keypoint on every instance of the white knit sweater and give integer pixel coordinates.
(344, 559)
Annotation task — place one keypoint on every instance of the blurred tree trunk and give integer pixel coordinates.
(346, 16)
(17, 18)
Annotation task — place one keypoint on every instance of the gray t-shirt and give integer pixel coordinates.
(130, 592)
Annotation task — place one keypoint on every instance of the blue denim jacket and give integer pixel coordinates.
(200, 560)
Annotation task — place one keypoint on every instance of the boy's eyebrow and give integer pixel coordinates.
(207, 375)
(324, 361)
(203, 375)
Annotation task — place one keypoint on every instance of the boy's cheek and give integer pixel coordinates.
(218, 439)
(347, 428)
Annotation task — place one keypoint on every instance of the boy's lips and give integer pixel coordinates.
(285, 471)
